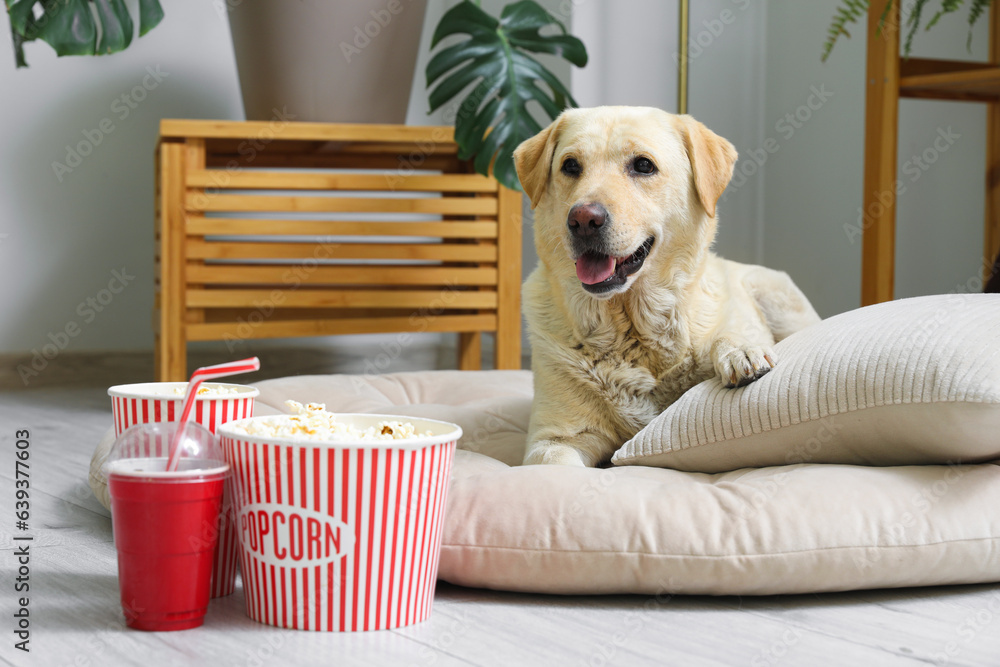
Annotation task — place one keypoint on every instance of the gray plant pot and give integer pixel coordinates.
(327, 60)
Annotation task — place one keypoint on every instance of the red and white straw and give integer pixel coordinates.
(199, 376)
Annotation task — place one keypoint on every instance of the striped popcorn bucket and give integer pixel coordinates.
(161, 402)
(340, 537)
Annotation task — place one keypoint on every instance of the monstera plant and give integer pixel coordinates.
(499, 77)
(78, 27)
(852, 11)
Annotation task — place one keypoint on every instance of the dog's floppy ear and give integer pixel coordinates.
(533, 161)
(712, 161)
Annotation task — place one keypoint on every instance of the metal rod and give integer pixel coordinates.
(682, 66)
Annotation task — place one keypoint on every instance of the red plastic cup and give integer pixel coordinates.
(165, 525)
(164, 553)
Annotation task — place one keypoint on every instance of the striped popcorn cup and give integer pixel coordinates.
(162, 402)
(340, 537)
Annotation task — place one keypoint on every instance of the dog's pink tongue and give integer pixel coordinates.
(593, 269)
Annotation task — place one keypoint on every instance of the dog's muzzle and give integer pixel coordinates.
(602, 273)
(598, 270)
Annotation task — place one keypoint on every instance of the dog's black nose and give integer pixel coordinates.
(586, 220)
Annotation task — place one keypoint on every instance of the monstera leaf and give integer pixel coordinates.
(495, 65)
(78, 27)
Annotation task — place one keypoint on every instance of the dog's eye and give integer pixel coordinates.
(643, 165)
(571, 167)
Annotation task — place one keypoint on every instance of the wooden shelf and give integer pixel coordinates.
(888, 79)
(265, 130)
(949, 80)
(384, 245)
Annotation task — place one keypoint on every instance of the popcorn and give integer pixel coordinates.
(312, 422)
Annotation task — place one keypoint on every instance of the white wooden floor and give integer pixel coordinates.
(76, 620)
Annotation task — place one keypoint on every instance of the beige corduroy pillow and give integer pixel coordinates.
(906, 382)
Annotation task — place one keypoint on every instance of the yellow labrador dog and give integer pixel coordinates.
(628, 307)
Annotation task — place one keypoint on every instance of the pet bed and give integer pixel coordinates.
(818, 523)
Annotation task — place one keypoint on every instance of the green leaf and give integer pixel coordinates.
(551, 107)
(464, 18)
(530, 67)
(457, 82)
(522, 22)
(69, 28)
(565, 46)
(494, 78)
(527, 15)
(504, 169)
(490, 147)
(976, 10)
(19, 60)
(20, 14)
(913, 20)
(486, 92)
(116, 26)
(947, 7)
(850, 11)
(445, 59)
(150, 15)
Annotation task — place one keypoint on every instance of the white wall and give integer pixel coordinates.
(755, 62)
(939, 223)
(633, 49)
(725, 92)
(813, 183)
(64, 234)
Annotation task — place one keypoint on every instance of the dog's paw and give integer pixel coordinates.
(741, 365)
(550, 453)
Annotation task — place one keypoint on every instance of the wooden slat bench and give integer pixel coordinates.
(283, 229)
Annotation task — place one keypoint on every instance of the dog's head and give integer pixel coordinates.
(617, 188)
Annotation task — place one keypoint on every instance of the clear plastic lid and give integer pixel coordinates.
(144, 450)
